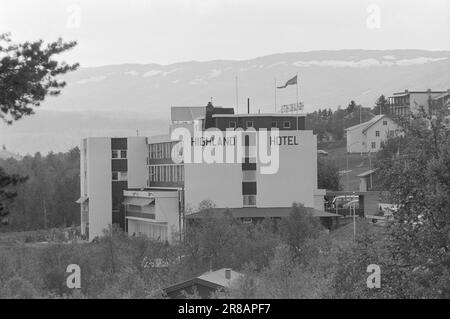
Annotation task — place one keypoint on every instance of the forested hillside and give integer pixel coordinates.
(47, 198)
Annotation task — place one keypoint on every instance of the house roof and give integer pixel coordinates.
(368, 124)
(256, 212)
(407, 92)
(82, 199)
(440, 96)
(218, 277)
(212, 279)
(367, 173)
(187, 113)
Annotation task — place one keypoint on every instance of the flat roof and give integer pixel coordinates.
(403, 93)
(256, 212)
(367, 173)
(260, 115)
(351, 193)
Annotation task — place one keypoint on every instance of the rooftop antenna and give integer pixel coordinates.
(137, 132)
(237, 96)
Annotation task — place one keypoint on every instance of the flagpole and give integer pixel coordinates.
(275, 89)
(297, 91)
(237, 96)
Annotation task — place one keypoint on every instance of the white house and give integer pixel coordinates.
(367, 136)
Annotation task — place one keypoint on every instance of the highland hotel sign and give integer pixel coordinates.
(231, 141)
(231, 146)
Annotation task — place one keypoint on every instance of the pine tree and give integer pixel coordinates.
(28, 74)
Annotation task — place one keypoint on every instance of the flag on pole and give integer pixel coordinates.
(289, 82)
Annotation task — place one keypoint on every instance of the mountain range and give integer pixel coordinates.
(120, 99)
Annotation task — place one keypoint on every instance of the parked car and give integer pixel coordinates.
(322, 152)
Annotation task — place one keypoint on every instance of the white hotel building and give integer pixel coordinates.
(133, 182)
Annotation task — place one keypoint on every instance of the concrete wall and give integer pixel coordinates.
(167, 210)
(220, 183)
(295, 181)
(99, 185)
(137, 160)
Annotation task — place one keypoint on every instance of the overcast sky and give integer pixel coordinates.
(168, 31)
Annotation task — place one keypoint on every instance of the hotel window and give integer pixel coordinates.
(119, 176)
(374, 145)
(119, 154)
(286, 124)
(249, 123)
(249, 200)
(274, 124)
(123, 176)
(377, 133)
(232, 124)
(166, 173)
(249, 176)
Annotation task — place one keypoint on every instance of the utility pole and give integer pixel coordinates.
(346, 173)
(360, 115)
(354, 222)
(370, 169)
(45, 215)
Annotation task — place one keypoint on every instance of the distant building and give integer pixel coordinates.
(367, 181)
(205, 285)
(5, 154)
(368, 136)
(409, 102)
(185, 116)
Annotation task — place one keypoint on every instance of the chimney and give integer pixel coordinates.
(248, 105)
(228, 273)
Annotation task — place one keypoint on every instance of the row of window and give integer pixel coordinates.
(153, 231)
(119, 176)
(249, 200)
(119, 154)
(233, 124)
(166, 173)
(249, 176)
(160, 150)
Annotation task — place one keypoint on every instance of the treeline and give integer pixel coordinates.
(330, 125)
(291, 252)
(47, 197)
